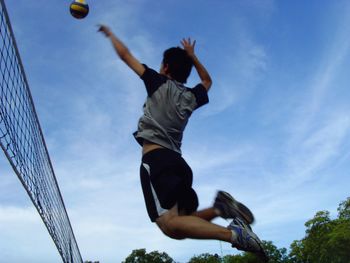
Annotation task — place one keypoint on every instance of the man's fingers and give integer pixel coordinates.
(104, 29)
(188, 45)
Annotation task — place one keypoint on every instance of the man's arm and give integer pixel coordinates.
(201, 70)
(123, 52)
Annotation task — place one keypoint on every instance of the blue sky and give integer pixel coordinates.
(276, 133)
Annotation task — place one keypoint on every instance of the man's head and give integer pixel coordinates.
(177, 64)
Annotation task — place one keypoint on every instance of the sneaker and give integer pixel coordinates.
(228, 207)
(243, 238)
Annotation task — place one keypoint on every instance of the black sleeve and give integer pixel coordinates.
(152, 79)
(201, 94)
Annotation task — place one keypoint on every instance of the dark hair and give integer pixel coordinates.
(179, 63)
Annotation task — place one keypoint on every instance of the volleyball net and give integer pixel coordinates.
(23, 143)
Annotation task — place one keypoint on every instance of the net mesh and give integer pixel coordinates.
(22, 141)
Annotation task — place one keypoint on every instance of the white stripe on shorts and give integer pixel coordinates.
(160, 209)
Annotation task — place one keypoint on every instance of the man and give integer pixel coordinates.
(166, 178)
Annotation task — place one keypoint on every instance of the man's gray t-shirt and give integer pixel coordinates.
(168, 106)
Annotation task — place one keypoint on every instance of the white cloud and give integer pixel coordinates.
(17, 215)
(241, 68)
(308, 156)
(24, 234)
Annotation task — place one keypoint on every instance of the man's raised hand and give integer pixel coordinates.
(188, 46)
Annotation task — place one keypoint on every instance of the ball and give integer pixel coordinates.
(79, 9)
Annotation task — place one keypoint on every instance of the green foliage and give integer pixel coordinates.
(315, 242)
(338, 242)
(297, 254)
(242, 258)
(205, 258)
(326, 240)
(344, 210)
(276, 255)
(140, 256)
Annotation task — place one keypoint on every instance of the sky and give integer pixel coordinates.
(276, 133)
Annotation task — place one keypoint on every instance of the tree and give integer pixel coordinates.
(242, 258)
(276, 255)
(344, 210)
(326, 240)
(205, 258)
(297, 254)
(338, 242)
(317, 232)
(339, 239)
(140, 256)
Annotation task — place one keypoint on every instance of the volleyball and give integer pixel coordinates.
(79, 9)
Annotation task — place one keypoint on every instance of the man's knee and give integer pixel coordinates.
(169, 226)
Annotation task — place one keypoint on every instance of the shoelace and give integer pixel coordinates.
(240, 222)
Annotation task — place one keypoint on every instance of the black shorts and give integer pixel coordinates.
(166, 180)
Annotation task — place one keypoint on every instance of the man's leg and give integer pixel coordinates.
(207, 214)
(225, 206)
(190, 226)
(238, 233)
